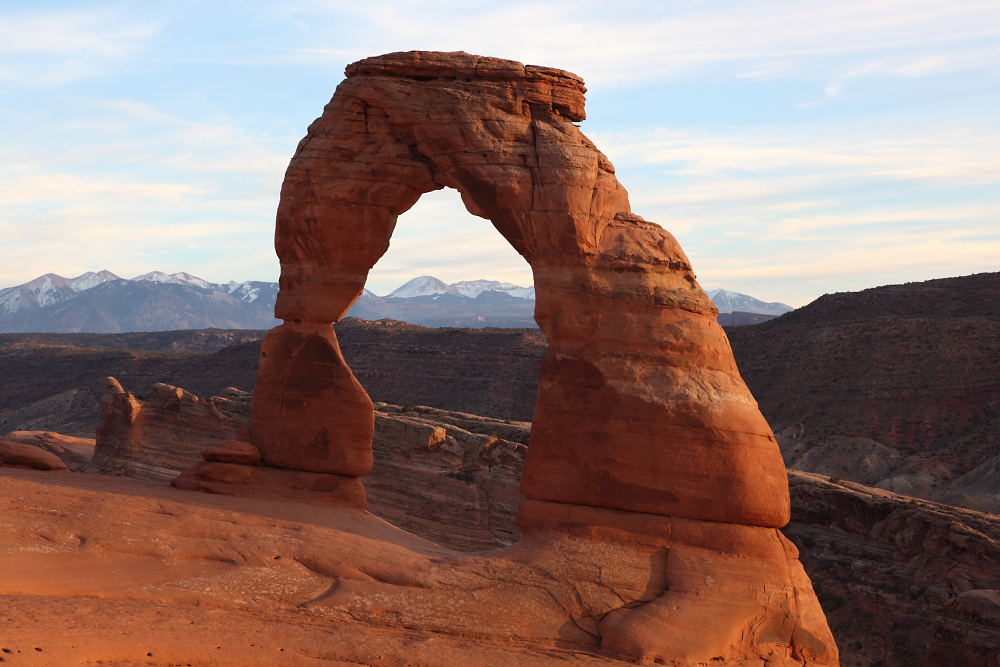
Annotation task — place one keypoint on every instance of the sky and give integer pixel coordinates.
(793, 148)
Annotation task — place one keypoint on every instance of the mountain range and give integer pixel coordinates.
(102, 302)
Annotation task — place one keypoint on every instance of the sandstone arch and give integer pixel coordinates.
(654, 485)
(639, 390)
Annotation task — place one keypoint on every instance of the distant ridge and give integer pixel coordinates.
(728, 302)
(430, 286)
(102, 302)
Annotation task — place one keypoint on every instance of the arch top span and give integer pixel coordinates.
(402, 124)
(640, 405)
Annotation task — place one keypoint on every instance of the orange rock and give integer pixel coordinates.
(310, 413)
(262, 482)
(157, 437)
(640, 405)
(74, 452)
(232, 451)
(646, 446)
(18, 454)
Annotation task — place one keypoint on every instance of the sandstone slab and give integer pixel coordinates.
(262, 482)
(74, 452)
(232, 451)
(15, 453)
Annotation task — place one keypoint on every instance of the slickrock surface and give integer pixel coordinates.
(109, 570)
(74, 452)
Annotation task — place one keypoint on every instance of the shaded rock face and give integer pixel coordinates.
(644, 436)
(904, 582)
(913, 367)
(448, 476)
(75, 453)
(160, 435)
(868, 462)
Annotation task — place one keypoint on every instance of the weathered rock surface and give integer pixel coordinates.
(157, 437)
(141, 573)
(895, 574)
(450, 477)
(636, 358)
(74, 452)
(325, 420)
(15, 453)
(232, 451)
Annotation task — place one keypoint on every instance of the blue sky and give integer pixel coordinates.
(794, 148)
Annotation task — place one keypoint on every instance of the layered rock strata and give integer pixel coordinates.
(642, 418)
(158, 436)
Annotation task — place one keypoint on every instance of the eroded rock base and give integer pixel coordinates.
(233, 479)
(650, 588)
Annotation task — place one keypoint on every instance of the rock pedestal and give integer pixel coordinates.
(642, 418)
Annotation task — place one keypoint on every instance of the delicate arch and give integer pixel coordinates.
(640, 405)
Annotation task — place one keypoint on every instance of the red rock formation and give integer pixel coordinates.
(19, 454)
(158, 436)
(325, 422)
(642, 419)
(639, 388)
(74, 452)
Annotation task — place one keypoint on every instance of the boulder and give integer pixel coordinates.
(74, 452)
(262, 482)
(19, 454)
(232, 451)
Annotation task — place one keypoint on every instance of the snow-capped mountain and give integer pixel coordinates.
(473, 288)
(429, 286)
(91, 279)
(177, 279)
(48, 290)
(728, 302)
(101, 302)
(422, 286)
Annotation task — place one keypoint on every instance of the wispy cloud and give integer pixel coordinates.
(62, 32)
(804, 147)
(642, 40)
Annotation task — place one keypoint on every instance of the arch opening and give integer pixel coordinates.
(439, 237)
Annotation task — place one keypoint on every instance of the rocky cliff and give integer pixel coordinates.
(897, 386)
